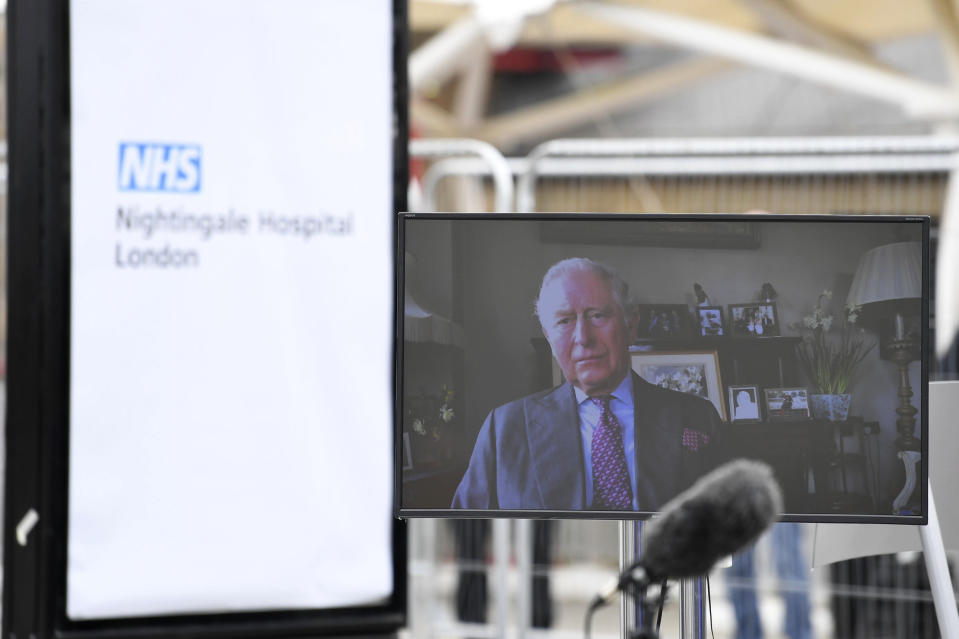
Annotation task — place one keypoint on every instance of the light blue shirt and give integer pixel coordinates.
(589, 413)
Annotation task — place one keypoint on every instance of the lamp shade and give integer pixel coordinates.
(888, 273)
(422, 325)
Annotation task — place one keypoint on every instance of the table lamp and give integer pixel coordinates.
(888, 285)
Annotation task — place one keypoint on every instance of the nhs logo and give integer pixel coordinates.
(154, 166)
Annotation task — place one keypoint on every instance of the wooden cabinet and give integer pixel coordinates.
(811, 462)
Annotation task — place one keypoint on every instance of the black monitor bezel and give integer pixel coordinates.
(451, 513)
(37, 413)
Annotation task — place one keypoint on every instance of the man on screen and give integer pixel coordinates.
(604, 440)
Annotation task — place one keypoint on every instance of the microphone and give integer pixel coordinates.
(721, 513)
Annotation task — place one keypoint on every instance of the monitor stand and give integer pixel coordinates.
(934, 553)
(630, 549)
(691, 595)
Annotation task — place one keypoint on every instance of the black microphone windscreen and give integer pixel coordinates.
(720, 514)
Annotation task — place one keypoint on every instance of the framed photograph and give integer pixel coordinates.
(744, 403)
(710, 320)
(407, 453)
(757, 319)
(693, 372)
(787, 403)
(662, 320)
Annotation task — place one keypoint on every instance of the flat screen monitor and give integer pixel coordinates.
(595, 366)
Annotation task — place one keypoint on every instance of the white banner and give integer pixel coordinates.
(232, 306)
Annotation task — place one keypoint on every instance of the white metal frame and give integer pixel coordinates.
(732, 156)
(492, 160)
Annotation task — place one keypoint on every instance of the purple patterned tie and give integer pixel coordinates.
(611, 489)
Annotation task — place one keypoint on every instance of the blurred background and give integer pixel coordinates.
(683, 106)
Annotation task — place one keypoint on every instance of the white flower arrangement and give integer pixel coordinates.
(832, 361)
(430, 415)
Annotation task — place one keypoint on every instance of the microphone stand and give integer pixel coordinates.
(692, 613)
(637, 613)
(630, 549)
(649, 606)
(637, 610)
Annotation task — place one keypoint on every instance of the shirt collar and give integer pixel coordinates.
(623, 392)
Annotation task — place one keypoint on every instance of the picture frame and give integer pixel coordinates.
(710, 321)
(693, 372)
(662, 320)
(755, 319)
(790, 403)
(745, 403)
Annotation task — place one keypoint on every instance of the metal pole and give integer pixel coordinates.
(427, 574)
(522, 545)
(630, 549)
(501, 559)
(691, 615)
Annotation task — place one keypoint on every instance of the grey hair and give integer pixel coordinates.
(617, 285)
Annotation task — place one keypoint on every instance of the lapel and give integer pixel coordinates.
(556, 450)
(658, 448)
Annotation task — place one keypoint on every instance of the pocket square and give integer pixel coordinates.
(694, 439)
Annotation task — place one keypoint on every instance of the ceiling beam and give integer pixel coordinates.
(547, 119)
(431, 120)
(917, 98)
(870, 21)
(947, 27)
(472, 92)
(446, 53)
(784, 19)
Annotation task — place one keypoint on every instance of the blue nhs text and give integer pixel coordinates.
(152, 166)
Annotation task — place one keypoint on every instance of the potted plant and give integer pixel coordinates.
(831, 358)
(430, 420)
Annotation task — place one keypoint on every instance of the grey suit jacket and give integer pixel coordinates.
(529, 454)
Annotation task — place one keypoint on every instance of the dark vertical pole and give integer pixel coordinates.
(23, 233)
(401, 179)
(38, 257)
